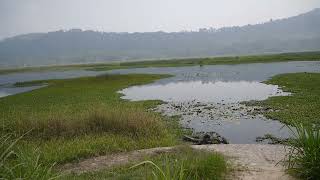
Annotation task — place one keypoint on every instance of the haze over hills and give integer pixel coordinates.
(299, 33)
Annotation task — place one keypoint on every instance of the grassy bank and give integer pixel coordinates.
(301, 56)
(77, 118)
(302, 111)
(303, 105)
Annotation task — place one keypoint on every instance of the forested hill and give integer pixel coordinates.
(298, 33)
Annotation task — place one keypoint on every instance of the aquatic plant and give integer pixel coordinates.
(304, 103)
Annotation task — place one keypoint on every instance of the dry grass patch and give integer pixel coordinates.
(96, 119)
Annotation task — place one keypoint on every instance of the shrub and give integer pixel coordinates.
(304, 154)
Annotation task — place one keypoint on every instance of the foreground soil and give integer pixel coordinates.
(248, 161)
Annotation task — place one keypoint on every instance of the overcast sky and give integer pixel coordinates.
(25, 16)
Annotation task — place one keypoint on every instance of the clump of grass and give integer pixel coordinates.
(94, 120)
(304, 154)
(185, 164)
(20, 164)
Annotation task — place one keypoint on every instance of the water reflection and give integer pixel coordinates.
(233, 91)
(11, 90)
(7, 80)
(3, 94)
(239, 131)
(241, 72)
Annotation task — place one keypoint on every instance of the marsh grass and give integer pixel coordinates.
(78, 118)
(304, 153)
(302, 106)
(20, 164)
(94, 120)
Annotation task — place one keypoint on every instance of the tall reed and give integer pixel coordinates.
(304, 154)
(20, 164)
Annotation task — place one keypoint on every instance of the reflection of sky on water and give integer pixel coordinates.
(220, 84)
(7, 80)
(242, 131)
(245, 72)
(2, 94)
(10, 90)
(212, 73)
(233, 91)
(32, 76)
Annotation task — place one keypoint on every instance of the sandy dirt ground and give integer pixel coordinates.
(253, 161)
(248, 161)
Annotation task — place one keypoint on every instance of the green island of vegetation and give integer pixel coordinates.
(268, 58)
(303, 105)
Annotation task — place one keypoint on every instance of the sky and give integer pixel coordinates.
(27, 16)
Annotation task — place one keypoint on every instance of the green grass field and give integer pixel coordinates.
(299, 56)
(77, 118)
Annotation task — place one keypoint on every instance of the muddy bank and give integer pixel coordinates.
(236, 122)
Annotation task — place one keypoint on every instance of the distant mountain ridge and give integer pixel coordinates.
(298, 33)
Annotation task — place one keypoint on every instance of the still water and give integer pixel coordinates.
(220, 91)
(211, 73)
(208, 98)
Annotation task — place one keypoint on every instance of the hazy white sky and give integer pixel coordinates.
(25, 16)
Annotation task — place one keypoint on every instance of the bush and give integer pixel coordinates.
(304, 154)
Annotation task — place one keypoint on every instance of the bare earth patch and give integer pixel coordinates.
(249, 161)
(253, 161)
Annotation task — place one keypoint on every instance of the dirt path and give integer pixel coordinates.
(253, 161)
(250, 161)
